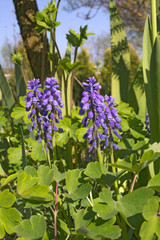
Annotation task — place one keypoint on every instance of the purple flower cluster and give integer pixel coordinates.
(147, 124)
(44, 108)
(101, 116)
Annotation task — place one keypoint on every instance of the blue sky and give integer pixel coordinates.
(10, 28)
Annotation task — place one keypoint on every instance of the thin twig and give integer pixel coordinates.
(133, 183)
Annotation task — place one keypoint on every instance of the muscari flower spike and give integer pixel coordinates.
(147, 124)
(103, 115)
(45, 108)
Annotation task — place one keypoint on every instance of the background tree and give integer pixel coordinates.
(33, 42)
(133, 12)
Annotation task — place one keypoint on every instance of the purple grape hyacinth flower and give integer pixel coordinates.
(100, 111)
(147, 124)
(45, 109)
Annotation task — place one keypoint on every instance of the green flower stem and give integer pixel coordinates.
(114, 171)
(122, 225)
(47, 156)
(55, 213)
(100, 158)
(54, 148)
(154, 19)
(69, 154)
(43, 58)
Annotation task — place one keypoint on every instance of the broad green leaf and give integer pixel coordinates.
(147, 50)
(6, 90)
(80, 133)
(18, 112)
(37, 154)
(133, 203)
(151, 208)
(25, 182)
(136, 91)
(139, 145)
(7, 199)
(72, 181)
(120, 56)
(147, 156)
(31, 170)
(154, 92)
(28, 188)
(45, 175)
(57, 176)
(94, 170)
(83, 217)
(33, 229)
(62, 138)
(20, 82)
(80, 192)
(8, 179)
(106, 195)
(9, 218)
(150, 228)
(15, 155)
(63, 226)
(68, 66)
(154, 183)
(105, 211)
(99, 230)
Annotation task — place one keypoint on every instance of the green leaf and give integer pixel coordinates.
(28, 188)
(63, 226)
(45, 175)
(72, 181)
(151, 208)
(68, 66)
(3, 120)
(147, 156)
(32, 229)
(62, 138)
(31, 170)
(20, 82)
(9, 218)
(57, 176)
(80, 192)
(120, 56)
(94, 170)
(6, 90)
(105, 211)
(147, 50)
(15, 155)
(154, 183)
(80, 133)
(136, 92)
(83, 217)
(8, 179)
(6, 199)
(133, 203)
(18, 112)
(25, 182)
(154, 92)
(98, 230)
(150, 228)
(37, 154)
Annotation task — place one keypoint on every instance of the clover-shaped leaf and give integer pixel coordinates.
(32, 229)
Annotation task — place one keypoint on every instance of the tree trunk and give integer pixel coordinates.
(33, 42)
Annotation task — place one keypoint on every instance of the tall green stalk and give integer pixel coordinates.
(43, 58)
(154, 19)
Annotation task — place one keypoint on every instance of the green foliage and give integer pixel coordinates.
(34, 228)
(120, 56)
(77, 39)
